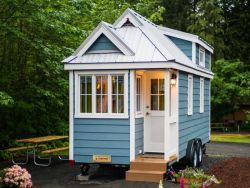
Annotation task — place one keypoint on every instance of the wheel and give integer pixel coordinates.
(191, 154)
(199, 153)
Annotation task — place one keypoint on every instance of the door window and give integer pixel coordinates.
(157, 94)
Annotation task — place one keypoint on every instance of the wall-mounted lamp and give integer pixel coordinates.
(173, 79)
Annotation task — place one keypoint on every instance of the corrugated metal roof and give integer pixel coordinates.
(146, 42)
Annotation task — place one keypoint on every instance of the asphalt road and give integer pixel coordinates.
(61, 175)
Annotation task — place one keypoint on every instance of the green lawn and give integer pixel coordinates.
(239, 138)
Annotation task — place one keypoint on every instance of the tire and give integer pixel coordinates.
(199, 153)
(191, 154)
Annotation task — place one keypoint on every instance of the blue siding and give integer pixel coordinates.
(184, 45)
(207, 60)
(196, 125)
(139, 123)
(103, 43)
(101, 137)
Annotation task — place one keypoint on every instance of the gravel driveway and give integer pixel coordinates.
(61, 175)
(225, 149)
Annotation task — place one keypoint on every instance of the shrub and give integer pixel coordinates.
(16, 177)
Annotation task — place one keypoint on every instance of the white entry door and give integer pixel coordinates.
(154, 113)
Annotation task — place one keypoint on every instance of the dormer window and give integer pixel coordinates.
(202, 57)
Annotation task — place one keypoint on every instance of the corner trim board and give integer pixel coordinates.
(71, 115)
(132, 115)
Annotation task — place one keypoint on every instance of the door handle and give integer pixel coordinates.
(147, 113)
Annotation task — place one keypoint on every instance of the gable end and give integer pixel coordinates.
(103, 45)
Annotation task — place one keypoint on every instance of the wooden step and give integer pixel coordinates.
(148, 165)
(146, 176)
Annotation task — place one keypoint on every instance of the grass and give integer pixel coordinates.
(238, 138)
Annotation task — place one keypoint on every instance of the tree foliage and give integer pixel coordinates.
(230, 87)
(36, 35)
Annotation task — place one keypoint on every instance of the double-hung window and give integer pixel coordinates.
(86, 94)
(201, 95)
(101, 94)
(117, 94)
(138, 94)
(202, 57)
(190, 95)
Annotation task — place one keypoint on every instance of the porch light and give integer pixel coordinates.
(173, 79)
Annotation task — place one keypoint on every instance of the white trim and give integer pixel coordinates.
(194, 52)
(137, 65)
(103, 28)
(71, 115)
(132, 115)
(177, 115)
(166, 117)
(190, 95)
(202, 50)
(185, 36)
(94, 114)
(202, 90)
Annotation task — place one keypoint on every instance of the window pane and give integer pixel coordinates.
(89, 103)
(154, 86)
(98, 104)
(82, 104)
(138, 102)
(154, 102)
(114, 84)
(121, 104)
(104, 103)
(82, 85)
(114, 104)
(161, 102)
(137, 86)
(98, 84)
(161, 86)
(121, 84)
(89, 85)
(104, 84)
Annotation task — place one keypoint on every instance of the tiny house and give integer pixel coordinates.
(139, 92)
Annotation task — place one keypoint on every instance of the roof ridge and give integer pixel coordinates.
(153, 43)
(141, 17)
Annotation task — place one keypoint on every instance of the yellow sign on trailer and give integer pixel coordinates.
(102, 158)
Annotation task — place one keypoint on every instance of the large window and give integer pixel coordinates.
(117, 94)
(201, 95)
(138, 94)
(86, 94)
(101, 94)
(202, 57)
(190, 95)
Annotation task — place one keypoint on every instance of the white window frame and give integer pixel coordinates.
(202, 95)
(190, 95)
(202, 50)
(109, 73)
(138, 113)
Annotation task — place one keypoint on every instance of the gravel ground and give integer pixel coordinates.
(61, 175)
(225, 149)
